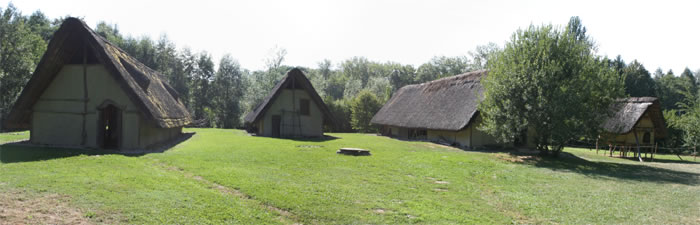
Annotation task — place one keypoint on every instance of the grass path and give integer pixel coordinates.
(225, 176)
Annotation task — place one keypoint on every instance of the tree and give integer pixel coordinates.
(357, 68)
(548, 80)
(440, 67)
(670, 90)
(20, 52)
(688, 120)
(335, 87)
(638, 81)
(363, 108)
(340, 109)
(201, 76)
(482, 53)
(228, 89)
(401, 75)
(690, 80)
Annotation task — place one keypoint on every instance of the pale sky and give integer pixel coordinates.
(657, 33)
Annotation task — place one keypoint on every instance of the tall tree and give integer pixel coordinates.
(229, 88)
(20, 52)
(401, 75)
(357, 68)
(548, 80)
(638, 81)
(670, 90)
(201, 77)
(691, 80)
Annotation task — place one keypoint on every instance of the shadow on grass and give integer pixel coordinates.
(306, 139)
(572, 163)
(684, 161)
(24, 152)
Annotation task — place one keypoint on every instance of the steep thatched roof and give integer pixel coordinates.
(627, 113)
(157, 101)
(294, 79)
(446, 104)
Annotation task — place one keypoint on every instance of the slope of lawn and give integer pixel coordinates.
(226, 176)
(13, 136)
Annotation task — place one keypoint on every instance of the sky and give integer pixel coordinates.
(661, 34)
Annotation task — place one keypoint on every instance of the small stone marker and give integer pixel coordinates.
(353, 151)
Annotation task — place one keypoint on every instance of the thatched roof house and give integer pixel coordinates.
(442, 110)
(87, 92)
(640, 115)
(292, 109)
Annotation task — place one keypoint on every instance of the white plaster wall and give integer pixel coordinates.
(311, 125)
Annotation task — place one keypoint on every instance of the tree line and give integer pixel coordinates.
(220, 94)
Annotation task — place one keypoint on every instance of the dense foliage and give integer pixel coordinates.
(363, 108)
(548, 80)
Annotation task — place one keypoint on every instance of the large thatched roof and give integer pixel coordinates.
(628, 111)
(445, 104)
(295, 78)
(157, 101)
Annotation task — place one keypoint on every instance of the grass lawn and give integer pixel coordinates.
(13, 136)
(225, 176)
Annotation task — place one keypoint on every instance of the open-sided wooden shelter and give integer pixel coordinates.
(443, 110)
(292, 109)
(635, 121)
(87, 92)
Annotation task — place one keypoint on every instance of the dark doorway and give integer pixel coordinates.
(276, 125)
(646, 139)
(109, 127)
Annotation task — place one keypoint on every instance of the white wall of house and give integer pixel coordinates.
(57, 116)
(287, 102)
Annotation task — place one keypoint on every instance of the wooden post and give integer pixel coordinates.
(622, 151)
(596, 145)
(645, 152)
(83, 139)
(656, 146)
(636, 139)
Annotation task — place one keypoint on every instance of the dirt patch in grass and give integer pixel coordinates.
(20, 208)
(381, 211)
(517, 158)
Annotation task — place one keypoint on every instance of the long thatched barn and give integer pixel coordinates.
(87, 92)
(635, 120)
(444, 110)
(293, 108)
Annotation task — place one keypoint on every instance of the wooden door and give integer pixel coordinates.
(276, 125)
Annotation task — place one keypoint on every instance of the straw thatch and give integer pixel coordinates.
(627, 113)
(156, 100)
(295, 78)
(445, 104)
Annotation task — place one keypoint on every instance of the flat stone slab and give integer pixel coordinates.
(353, 151)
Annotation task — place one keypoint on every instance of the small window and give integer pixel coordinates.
(304, 107)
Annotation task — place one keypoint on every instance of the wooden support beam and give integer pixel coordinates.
(596, 145)
(636, 139)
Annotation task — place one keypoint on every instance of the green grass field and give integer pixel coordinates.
(225, 176)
